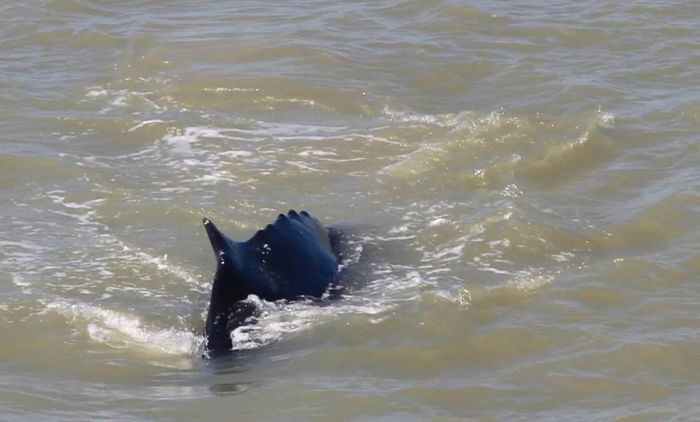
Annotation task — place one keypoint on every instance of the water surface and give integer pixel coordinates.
(520, 181)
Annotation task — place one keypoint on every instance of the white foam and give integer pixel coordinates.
(283, 130)
(161, 263)
(233, 89)
(180, 143)
(316, 153)
(19, 281)
(236, 154)
(562, 256)
(292, 100)
(278, 320)
(404, 228)
(512, 191)
(213, 178)
(438, 222)
(9, 245)
(528, 283)
(453, 122)
(177, 189)
(450, 254)
(409, 117)
(305, 167)
(94, 93)
(462, 296)
(83, 219)
(121, 330)
(144, 123)
(606, 119)
(120, 99)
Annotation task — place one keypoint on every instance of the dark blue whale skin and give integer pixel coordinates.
(294, 257)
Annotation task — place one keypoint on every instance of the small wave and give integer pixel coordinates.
(451, 121)
(568, 157)
(115, 98)
(451, 137)
(121, 330)
(526, 283)
(273, 101)
(16, 164)
(513, 289)
(496, 149)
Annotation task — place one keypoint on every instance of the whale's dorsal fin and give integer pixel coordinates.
(227, 253)
(220, 243)
(228, 290)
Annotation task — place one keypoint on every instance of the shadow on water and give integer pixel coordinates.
(229, 388)
(229, 367)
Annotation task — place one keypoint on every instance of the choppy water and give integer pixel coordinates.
(521, 180)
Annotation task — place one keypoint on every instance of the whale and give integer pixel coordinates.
(295, 257)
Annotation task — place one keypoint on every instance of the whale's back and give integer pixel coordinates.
(289, 258)
(294, 257)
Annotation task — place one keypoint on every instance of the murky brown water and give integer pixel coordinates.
(520, 182)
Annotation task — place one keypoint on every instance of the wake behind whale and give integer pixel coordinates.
(295, 257)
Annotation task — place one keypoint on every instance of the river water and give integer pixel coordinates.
(519, 182)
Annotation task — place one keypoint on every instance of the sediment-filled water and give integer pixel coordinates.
(519, 182)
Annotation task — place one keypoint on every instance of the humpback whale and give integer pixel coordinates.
(294, 257)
